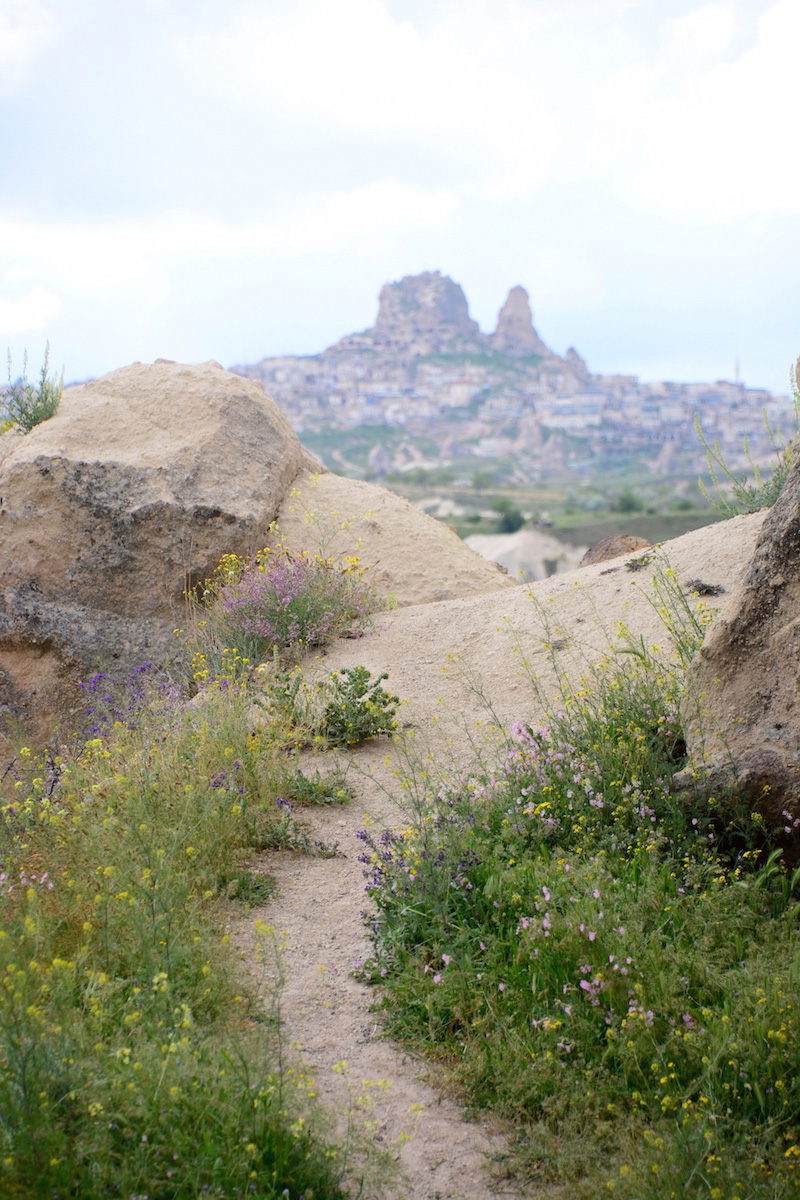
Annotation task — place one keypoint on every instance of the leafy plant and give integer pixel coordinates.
(359, 708)
(510, 519)
(28, 404)
(340, 710)
(608, 967)
(133, 1059)
(740, 494)
(286, 601)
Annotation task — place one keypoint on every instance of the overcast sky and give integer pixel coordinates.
(197, 179)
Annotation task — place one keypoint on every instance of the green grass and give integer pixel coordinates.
(611, 970)
(135, 1060)
(586, 530)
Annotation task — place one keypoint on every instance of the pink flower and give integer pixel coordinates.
(446, 959)
(437, 979)
(502, 987)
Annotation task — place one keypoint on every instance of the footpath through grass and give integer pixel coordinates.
(613, 970)
(135, 1060)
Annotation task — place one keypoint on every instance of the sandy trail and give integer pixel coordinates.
(318, 916)
(320, 901)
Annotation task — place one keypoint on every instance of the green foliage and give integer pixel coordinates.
(737, 493)
(134, 1059)
(611, 969)
(628, 502)
(286, 601)
(28, 404)
(358, 708)
(510, 518)
(252, 889)
(317, 789)
(129, 1061)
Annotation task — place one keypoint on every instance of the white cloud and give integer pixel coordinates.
(349, 68)
(111, 257)
(26, 26)
(689, 138)
(29, 313)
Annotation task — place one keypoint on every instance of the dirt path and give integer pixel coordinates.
(317, 915)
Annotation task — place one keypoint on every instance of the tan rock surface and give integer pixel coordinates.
(515, 334)
(410, 555)
(137, 486)
(612, 547)
(742, 708)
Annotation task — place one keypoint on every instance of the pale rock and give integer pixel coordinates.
(116, 505)
(613, 546)
(741, 711)
(411, 557)
(515, 334)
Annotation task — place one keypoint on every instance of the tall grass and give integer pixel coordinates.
(613, 970)
(135, 1061)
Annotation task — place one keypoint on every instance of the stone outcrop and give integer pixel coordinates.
(113, 507)
(423, 304)
(134, 491)
(612, 547)
(515, 334)
(412, 558)
(742, 705)
(419, 315)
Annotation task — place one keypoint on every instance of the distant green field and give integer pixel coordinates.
(658, 527)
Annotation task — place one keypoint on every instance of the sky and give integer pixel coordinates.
(196, 179)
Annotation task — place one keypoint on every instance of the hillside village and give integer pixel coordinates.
(426, 370)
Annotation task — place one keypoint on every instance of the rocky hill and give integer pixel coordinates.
(427, 371)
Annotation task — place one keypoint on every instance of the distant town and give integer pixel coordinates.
(438, 392)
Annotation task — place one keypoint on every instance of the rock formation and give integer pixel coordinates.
(135, 490)
(113, 507)
(515, 334)
(742, 706)
(412, 557)
(577, 365)
(421, 305)
(419, 315)
(612, 547)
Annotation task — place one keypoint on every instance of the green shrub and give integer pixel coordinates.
(133, 1059)
(345, 708)
(628, 502)
(286, 601)
(28, 404)
(609, 968)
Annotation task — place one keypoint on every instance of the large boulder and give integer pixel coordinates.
(412, 558)
(742, 705)
(112, 508)
(613, 546)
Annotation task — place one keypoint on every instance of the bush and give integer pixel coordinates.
(28, 404)
(628, 502)
(510, 518)
(285, 601)
(606, 967)
(133, 1061)
(341, 710)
